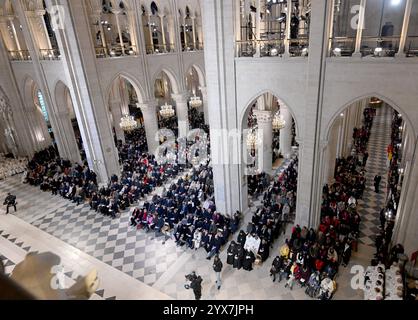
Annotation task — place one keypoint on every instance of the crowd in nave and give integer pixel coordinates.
(9, 166)
(140, 175)
(186, 211)
(135, 141)
(257, 183)
(279, 201)
(311, 258)
(197, 120)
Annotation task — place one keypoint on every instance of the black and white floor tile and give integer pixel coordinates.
(372, 203)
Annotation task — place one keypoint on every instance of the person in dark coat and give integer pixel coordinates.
(231, 252)
(196, 285)
(238, 257)
(248, 261)
(10, 201)
(264, 250)
(217, 267)
(242, 237)
(377, 180)
(275, 267)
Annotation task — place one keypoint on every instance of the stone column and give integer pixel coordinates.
(310, 153)
(130, 14)
(182, 109)
(194, 32)
(115, 108)
(67, 131)
(40, 17)
(405, 26)
(228, 172)
(287, 33)
(362, 11)
(163, 33)
(150, 34)
(8, 43)
(265, 141)
(185, 34)
(38, 128)
(332, 152)
(149, 112)
(258, 28)
(11, 20)
(116, 13)
(340, 140)
(204, 92)
(286, 133)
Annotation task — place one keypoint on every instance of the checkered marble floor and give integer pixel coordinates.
(112, 241)
(372, 203)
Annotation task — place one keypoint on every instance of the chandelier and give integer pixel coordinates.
(167, 111)
(196, 102)
(128, 123)
(278, 122)
(252, 139)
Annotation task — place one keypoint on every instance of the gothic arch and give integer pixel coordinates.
(171, 76)
(246, 110)
(132, 80)
(365, 96)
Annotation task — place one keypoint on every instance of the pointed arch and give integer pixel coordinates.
(360, 98)
(171, 76)
(245, 112)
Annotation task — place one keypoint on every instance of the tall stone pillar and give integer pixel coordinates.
(405, 26)
(286, 133)
(228, 174)
(265, 141)
(310, 176)
(359, 36)
(149, 112)
(67, 131)
(115, 108)
(331, 151)
(204, 92)
(182, 108)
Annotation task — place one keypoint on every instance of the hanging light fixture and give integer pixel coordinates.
(167, 111)
(252, 139)
(196, 102)
(278, 122)
(128, 123)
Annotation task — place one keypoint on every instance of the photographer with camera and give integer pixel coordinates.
(10, 201)
(195, 284)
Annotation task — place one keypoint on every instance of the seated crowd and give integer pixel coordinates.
(253, 244)
(257, 183)
(186, 211)
(9, 166)
(312, 258)
(141, 173)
